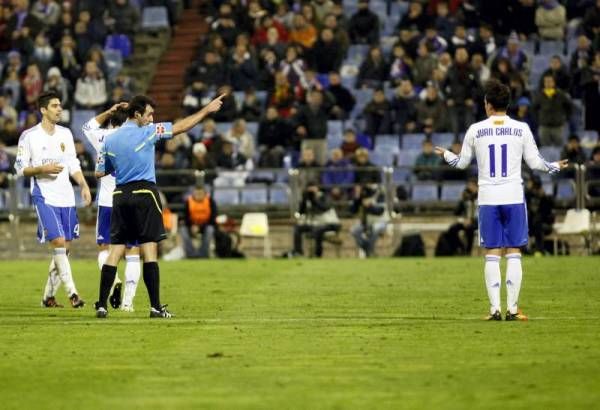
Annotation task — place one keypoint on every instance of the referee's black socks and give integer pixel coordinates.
(152, 281)
(107, 277)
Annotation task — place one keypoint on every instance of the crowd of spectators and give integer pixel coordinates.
(294, 67)
(425, 75)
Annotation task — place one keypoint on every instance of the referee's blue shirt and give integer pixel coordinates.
(129, 151)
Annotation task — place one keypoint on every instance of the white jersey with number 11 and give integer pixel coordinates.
(499, 144)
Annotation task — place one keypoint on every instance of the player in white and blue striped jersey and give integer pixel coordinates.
(499, 145)
(96, 130)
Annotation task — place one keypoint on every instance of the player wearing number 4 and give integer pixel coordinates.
(499, 144)
(46, 153)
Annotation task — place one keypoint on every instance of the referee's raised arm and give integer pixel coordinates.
(190, 121)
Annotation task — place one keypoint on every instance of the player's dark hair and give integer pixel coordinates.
(44, 99)
(118, 117)
(138, 104)
(497, 95)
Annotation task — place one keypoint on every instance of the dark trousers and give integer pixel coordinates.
(317, 232)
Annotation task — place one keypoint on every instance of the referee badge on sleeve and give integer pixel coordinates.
(160, 129)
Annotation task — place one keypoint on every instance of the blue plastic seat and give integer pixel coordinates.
(385, 142)
(425, 191)
(407, 157)
(278, 194)
(155, 18)
(565, 189)
(226, 196)
(254, 195)
(550, 153)
(119, 42)
(412, 141)
(443, 139)
(382, 158)
(452, 191)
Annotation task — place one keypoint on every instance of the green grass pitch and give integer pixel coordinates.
(307, 334)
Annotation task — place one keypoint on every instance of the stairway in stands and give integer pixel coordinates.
(167, 86)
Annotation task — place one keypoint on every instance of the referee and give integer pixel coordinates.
(137, 212)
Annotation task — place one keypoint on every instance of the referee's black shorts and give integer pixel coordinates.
(136, 214)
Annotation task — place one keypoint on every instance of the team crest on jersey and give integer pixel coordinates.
(62, 146)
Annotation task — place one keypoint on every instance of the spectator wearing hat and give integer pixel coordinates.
(551, 20)
(552, 107)
(364, 25)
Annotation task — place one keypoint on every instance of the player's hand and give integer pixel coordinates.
(563, 163)
(86, 195)
(440, 151)
(215, 105)
(119, 105)
(50, 169)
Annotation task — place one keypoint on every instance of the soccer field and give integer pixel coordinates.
(344, 334)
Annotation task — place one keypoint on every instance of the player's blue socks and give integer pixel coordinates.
(492, 281)
(514, 276)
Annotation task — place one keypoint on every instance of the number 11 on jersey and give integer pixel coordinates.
(504, 159)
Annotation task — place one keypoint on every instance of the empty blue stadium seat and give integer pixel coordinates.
(155, 18)
(382, 158)
(425, 191)
(223, 127)
(565, 189)
(357, 53)
(78, 118)
(407, 157)
(226, 196)
(401, 175)
(548, 188)
(114, 62)
(550, 47)
(452, 191)
(550, 153)
(334, 141)
(412, 141)
(384, 142)
(335, 127)
(262, 176)
(278, 194)
(443, 139)
(254, 195)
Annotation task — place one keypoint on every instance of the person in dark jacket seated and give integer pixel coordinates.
(369, 205)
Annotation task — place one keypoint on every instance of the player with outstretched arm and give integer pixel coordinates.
(499, 144)
(137, 212)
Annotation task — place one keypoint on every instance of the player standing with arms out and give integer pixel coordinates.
(137, 213)
(499, 144)
(96, 130)
(46, 153)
